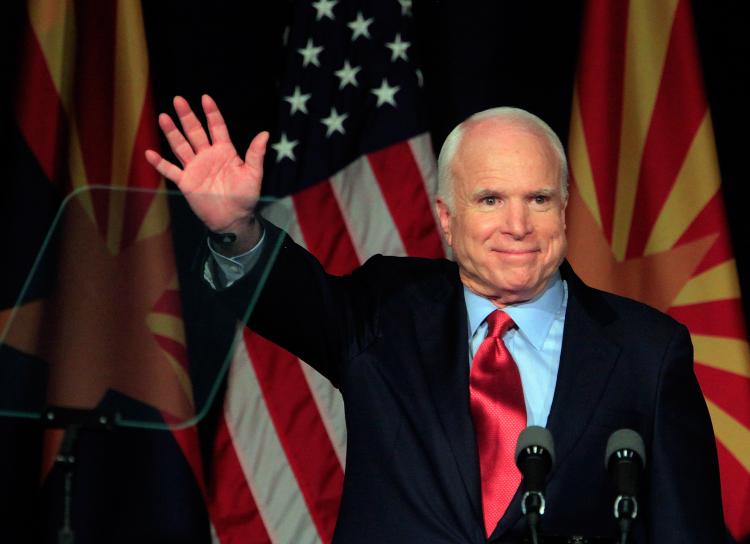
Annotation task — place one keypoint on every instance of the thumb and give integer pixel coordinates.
(256, 151)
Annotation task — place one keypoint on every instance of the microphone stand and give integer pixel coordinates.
(532, 506)
(626, 510)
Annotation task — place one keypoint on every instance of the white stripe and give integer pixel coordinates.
(330, 404)
(282, 214)
(421, 148)
(365, 212)
(328, 400)
(264, 463)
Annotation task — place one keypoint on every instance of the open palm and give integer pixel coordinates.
(220, 187)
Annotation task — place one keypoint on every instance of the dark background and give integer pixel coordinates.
(474, 55)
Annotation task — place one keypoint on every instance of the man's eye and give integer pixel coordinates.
(489, 200)
(541, 199)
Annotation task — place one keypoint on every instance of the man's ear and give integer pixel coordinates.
(444, 216)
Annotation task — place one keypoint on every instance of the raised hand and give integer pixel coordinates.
(220, 187)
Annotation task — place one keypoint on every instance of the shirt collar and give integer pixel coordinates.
(534, 317)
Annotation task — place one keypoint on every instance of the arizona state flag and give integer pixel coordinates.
(646, 217)
(109, 322)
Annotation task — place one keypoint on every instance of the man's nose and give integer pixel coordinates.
(516, 220)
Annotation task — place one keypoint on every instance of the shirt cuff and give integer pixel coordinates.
(221, 271)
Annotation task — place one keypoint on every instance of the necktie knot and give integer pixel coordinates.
(498, 323)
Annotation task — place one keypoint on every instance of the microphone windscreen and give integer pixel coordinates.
(625, 439)
(534, 435)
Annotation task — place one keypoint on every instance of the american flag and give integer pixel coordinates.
(353, 161)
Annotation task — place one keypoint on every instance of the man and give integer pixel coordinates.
(441, 364)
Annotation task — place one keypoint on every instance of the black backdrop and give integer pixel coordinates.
(474, 55)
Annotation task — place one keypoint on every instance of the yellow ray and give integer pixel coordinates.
(696, 183)
(157, 217)
(183, 378)
(54, 26)
(131, 77)
(579, 162)
(733, 434)
(728, 354)
(167, 325)
(717, 283)
(648, 32)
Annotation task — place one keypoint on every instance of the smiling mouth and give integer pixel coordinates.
(516, 251)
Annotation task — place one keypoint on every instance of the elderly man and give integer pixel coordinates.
(441, 364)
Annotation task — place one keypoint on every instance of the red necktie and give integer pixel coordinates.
(499, 414)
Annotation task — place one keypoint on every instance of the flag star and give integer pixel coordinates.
(348, 75)
(360, 26)
(405, 7)
(324, 8)
(398, 48)
(386, 93)
(284, 148)
(334, 122)
(420, 77)
(310, 53)
(297, 101)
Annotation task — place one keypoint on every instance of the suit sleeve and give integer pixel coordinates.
(683, 473)
(289, 299)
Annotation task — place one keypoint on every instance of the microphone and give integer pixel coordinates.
(535, 455)
(625, 459)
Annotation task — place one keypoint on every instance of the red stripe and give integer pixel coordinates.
(734, 481)
(710, 221)
(679, 109)
(405, 195)
(730, 392)
(94, 94)
(231, 504)
(174, 348)
(324, 230)
(169, 303)
(716, 318)
(300, 429)
(141, 173)
(39, 111)
(600, 91)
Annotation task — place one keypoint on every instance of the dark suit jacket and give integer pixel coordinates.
(393, 338)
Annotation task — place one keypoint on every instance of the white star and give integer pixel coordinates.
(360, 26)
(284, 148)
(324, 8)
(348, 75)
(420, 77)
(334, 122)
(398, 48)
(386, 93)
(310, 53)
(405, 7)
(297, 101)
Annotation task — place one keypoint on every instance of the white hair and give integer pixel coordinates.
(515, 115)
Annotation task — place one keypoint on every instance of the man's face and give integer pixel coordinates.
(507, 225)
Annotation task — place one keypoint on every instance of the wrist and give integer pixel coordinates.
(238, 237)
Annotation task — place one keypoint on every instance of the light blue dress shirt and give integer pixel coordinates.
(535, 345)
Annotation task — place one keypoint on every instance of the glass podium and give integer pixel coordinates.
(104, 309)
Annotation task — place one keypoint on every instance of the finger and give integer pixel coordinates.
(191, 126)
(163, 166)
(216, 125)
(256, 150)
(180, 147)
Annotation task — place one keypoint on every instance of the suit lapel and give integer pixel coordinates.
(586, 363)
(441, 323)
